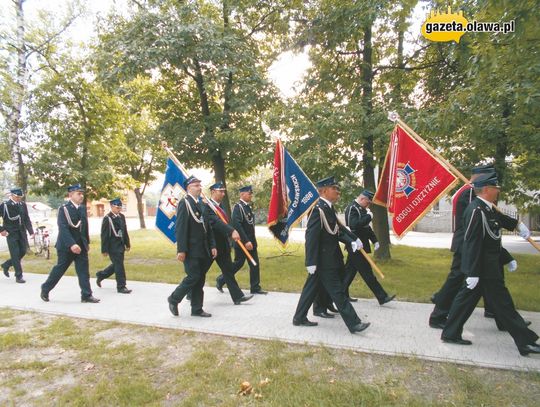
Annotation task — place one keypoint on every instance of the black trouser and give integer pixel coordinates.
(446, 295)
(65, 258)
(17, 245)
(323, 301)
(356, 262)
(501, 301)
(193, 282)
(254, 271)
(330, 281)
(226, 265)
(117, 268)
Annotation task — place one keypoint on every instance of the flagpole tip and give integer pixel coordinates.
(393, 116)
(164, 144)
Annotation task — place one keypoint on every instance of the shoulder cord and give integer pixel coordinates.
(324, 222)
(244, 215)
(488, 229)
(195, 218)
(6, 213)
(113, 230)
(348, 220)
(69, 221)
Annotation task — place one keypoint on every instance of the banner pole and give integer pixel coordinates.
(177, 162)
(393, 116)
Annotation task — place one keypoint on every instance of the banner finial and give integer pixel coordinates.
(393, 116)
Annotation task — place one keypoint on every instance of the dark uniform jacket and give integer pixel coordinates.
(221, 230)
(481, 250)
(194, 236)
(19, 222)
(243, 221)
(72, 227)
(114, 234)
(463, 201)
(322, 247)
(358, 220)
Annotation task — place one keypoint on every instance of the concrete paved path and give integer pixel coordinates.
(397, 328)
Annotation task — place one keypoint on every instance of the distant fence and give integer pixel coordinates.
(441, 221)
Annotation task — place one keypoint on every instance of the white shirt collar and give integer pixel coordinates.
(195, 199)
(215, 202)
(489, 204)
(12, 200)
(74, 204)
(244, 201)
(327, 201)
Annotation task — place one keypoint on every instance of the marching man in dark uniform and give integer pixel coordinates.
(324, 259)
(222, 233)
(196, 248)
(72, 245)
(114, 243)
(243, 221)
(357, 218)
(482, 267)
(445, 296)
(15, 224)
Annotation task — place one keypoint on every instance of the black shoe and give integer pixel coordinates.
(124, 290)
(259, 291)
(99, 279)
(386, 299)
(91, 300)
(305, 322)
(457, 341)
(351, 299)
(243, 298)
(488, 314)
(188, 296)
(531, 348)
(323, 314)
(219, 286)
(360, 327)
(6, 271)
(331, 308)
(173, 307)
(44, 296)
(436, 324)
(20, 280)
(527, 323)
(201, 314)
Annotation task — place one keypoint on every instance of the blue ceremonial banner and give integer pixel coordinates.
(171, 193)
(290, 181)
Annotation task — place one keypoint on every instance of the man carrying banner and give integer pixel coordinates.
(357, 218)
(481, 264)
(222, 233)
(114, 244)
(196, 248)
(324, 259)
(72, 245)
(15, 223)
(445, 296)
(243, 220)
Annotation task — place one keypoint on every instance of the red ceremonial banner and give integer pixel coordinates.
(278, 199)
(412, 181)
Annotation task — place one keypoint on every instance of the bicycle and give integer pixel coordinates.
(42, 240)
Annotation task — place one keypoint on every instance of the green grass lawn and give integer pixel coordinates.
(56, 361)
(414, 274)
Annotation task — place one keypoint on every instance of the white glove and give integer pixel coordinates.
(356, 245)
(311, 269)
(369, 213)
(512, 266)
(472, 282)
(524, 231)
(376, 246)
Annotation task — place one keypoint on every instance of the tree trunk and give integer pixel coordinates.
(140, 206)
(13, 122)
(380, 216)
(501, 150)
